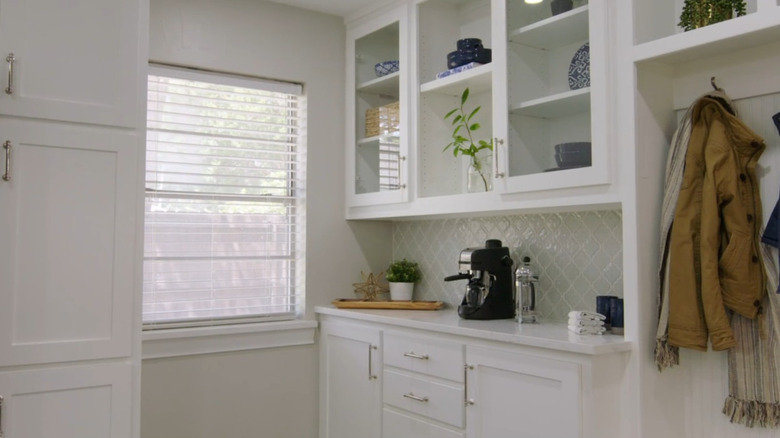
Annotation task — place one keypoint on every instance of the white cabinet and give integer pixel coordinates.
(72, 61)
(436, 384)
(377, 136)
(351, 381)
(74, 401)
(521, 395)
(551, 113)
(528, 106)
(68, 221)
(72, 136)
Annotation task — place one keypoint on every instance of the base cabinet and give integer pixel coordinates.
(350, 399)
(521, 395)
(80, 401)
(424, 383)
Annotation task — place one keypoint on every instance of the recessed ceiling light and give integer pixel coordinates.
(533, 2)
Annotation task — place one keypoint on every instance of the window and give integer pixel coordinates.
(225, 168)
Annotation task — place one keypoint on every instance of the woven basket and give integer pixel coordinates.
(382, 120)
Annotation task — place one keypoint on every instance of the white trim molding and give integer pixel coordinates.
(204, 340)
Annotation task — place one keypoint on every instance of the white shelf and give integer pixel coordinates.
(734, 35)
(386, 139)
(478, 79)
(557, 31)
(558, 105)
(386, 85)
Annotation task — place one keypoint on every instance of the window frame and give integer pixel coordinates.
(298, 331)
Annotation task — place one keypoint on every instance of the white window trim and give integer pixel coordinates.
(157, 344)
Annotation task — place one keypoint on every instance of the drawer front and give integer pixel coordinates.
(397, 425)
(435, 400)
(425, 355)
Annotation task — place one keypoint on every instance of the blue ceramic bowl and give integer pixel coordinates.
(385, 68)
(463, 57)
(469, 44)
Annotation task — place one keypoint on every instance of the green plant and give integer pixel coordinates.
(403, 271)
(463, 135)
(700, 13)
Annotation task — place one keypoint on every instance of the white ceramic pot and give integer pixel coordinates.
(401, 291)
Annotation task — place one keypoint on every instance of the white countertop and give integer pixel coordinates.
(554, 336)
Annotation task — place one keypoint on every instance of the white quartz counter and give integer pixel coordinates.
(554, 336)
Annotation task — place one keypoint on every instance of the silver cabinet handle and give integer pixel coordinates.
(1, 416)
(466, 398)
(9, 89)
(414, 355)
(371, 375)
(496, 142)
(7, 174)
(410, 396)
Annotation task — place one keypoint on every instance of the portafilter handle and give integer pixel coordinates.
(460, 276)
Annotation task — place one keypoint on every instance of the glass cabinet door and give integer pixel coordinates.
(548, 140)
(376, 140)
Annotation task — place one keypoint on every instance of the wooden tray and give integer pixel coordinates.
(353, 303)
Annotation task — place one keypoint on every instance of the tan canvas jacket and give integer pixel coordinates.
(714, 254)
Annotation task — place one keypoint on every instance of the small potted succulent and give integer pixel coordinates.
(401, 275)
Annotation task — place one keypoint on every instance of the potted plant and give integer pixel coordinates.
(700, 13)
(480, 177)
(401, 275)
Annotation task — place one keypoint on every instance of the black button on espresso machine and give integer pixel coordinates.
(489, 291)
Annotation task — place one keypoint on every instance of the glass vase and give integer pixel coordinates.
(479, 177)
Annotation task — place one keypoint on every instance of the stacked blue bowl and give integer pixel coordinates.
(469, 50)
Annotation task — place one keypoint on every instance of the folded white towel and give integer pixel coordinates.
(586, 322)
(587, 330)
(585, 314)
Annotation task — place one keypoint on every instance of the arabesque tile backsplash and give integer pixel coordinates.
(577, 255)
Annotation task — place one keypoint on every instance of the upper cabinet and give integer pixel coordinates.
(531, 84)
(50, 61)
(551, 114)
(377, 106)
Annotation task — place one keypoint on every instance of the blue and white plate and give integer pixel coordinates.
(579, 69)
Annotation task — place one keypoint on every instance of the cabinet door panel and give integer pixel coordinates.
(74, 61)
(68, 223)
(84, 402)
(521, 394)
(352, 363)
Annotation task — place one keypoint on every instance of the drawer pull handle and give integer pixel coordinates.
(416, 398)
(371, 375)
(10, 59)
(414, 355)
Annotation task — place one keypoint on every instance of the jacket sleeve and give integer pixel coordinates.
(718, 189)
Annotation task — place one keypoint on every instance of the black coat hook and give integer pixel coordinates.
(714, 85)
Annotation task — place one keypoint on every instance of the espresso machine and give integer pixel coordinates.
(490, 289)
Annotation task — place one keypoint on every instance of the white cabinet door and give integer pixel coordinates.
(67, 402)
(377, 128)
(520, 395)
(74, 60)
(351, 377)
(67, 234)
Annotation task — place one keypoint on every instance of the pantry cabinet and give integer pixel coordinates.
(351, 381)
(547, 85)
(438, 384)
(74, 401)
(72, 141)
(68, 228)
(70, 61)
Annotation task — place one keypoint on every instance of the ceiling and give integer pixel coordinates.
(336, 7)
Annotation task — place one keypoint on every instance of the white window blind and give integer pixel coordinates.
(225, 167)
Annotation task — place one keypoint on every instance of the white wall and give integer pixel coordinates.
(270, 392)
